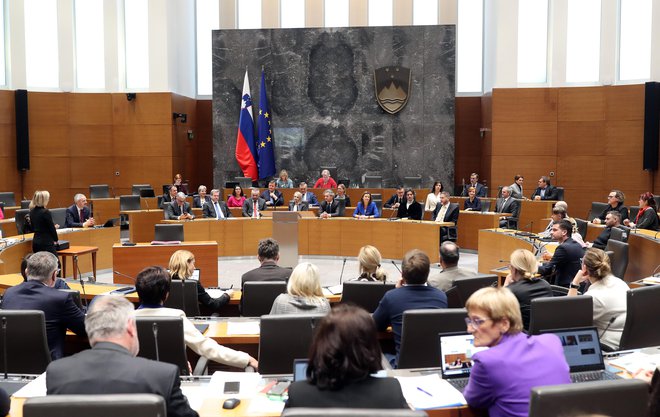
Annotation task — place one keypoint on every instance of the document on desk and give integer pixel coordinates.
(333, 290)
(249, 383)
(235, 327)
(648, 359)
(36, 388)
(430, 391)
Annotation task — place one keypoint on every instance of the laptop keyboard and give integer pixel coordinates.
(459, 383)
(592, 376)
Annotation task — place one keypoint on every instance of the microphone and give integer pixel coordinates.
(124, 275)
(608, 326)
(124, 290)
(342, 271)
(91, 209)
(146, 202)
(112, 189)
(396, 266)
(394, 211)
(82, 284)
(154, 329)
(4, 344)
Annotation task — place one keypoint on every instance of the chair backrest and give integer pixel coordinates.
(168, 333)
(643, 308)
(8, 198)
(420, 345)
(372, 181)
(465, 287)
(364, 294)
(485, 206)
(619, 235)
(135, 188)
(619, 257)
(283, 338)
(245, 183)
(25, 204)
(549, 313)
(183, 295)
(147, 192)
(75, 296)
(99, 191)
(19, 218)
(350, 412)
(168, 232)
(632, 212)
(258, 296)
(412, 182)
(59, 216)
(615, 398)
(582, 226)
(596, 209)
(25, 338)
(103, 405)
(129, 202)
(560, 193)
(333, 171)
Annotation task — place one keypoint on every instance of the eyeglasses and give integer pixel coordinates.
(475, 323)
(611, 196)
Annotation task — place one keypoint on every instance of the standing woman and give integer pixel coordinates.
(647, 217)
(433, 197)
(366, 208)
(236, 198)
(45, 231)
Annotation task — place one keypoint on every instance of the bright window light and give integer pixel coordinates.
(425, 12)
(249, 14)
(292, 13)
(635, 40)
(90, 56)
(380, 12)
(335, 13)
(532, 41)
(208, 19)
(136, 23)
(470, 46)
(3, 62)
(41, 52)
(583, 41)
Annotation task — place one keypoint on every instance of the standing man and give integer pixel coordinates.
(612, 219)
(329, 206)
(449, 256)
(297, 204)
(445, 212)
(216, 209)
(567, 259)
(253, 206)
(307, 196)
(545, 191)
(79, 215)
(272, 196)
(201, 198)
(474, 182)
(325, 181)
(508, 204)
(410, 209)
(397, 198)
(615, 201)
(179, 209)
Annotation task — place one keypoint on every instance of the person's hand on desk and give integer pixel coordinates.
(89, 222)
(644, 375)
(325, 216)
(185, 216)
(363, 217)
(537, 198)
(229, 292)
(57, 226)
(253, 363)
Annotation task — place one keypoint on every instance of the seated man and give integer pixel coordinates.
(268, 253)
(215, 208)
(410, 209)
(60, 311)
(253, 206)
(271, 196)
(615, 201)
(201, 198)
(179, 209)
(508, 204)
(307, 196)
(169, 196)
(445, 212)
(79, 215)
(449, 256)
(567, 259)
(153, 287)
(397, 198)
(545, 191)
(325, 181)
(110, 366)
(613, 219)
(329, 207)
(297, 204)
(474, 182)
(411, 292)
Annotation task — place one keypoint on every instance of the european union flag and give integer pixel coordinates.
(265, 140)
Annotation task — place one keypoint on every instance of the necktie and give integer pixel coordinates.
(254, 209)
(441, 214)
(218, 212)
(80, 216)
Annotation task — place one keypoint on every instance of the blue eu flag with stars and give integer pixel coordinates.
(265, 140)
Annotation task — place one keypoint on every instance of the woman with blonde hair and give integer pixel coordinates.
(369, 259)
(303, 293)
(284, 181)
(45, 230)
(182, 266)
(523, 283)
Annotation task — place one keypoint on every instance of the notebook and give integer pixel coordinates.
(583, 354)
(456, 351)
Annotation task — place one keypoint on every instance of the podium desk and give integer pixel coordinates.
(141, 224)
(469, 224)
(533, 213)
(496, 245)
(643, 254)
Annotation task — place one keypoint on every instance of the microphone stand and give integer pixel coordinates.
(82, 284)
(4, 345)
(396, 266)
(342, 271)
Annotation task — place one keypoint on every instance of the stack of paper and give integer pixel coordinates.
(430, 391)
(242, 327)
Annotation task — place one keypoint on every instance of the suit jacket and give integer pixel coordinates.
(347, 200)
(310, 198)
(619, 207)
(450, 216)
(481, 191)
(303, 206)
(443, 280)
(197, 203)
(535, 360)
(384, 393)
(247, 206)
(173, 211)
(551, 193)
(516, 191)
(273, 202)
(109, 368)
(394, 199)
(165, 200)
(603, 237)
(331, 208)
(525, 291)
(60, 311)
(512, 206)
(472, 205)
(209, 210)
(268, 271)
(413, 212)
(73, 219)
(565, 262)
(45, 234)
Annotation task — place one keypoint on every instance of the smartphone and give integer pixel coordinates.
(279, 388)
(232, 387)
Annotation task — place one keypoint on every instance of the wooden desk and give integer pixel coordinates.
(10, 211)
(8, 227)
(532, 213)
(496, 245)
(141, 224)
(593, 231)
(469, 224)
(643, 254)
(74, 252)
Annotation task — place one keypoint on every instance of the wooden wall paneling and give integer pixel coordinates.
(143, 140)
(524, 138)
(7, 114)
(581, 138)
(581, 104)
(468, 142)
(625, 102)
(90, 109)
(91, 170)
(50, 109)
(579, 200)
(152, 170)
(625, 137)
(146, 109)
(203, 132)
(524, 104)
(91, 140)
(625, 172)
(48, 141)
(582, 172)
(530, 167)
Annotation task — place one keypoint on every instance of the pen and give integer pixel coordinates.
(425, 392)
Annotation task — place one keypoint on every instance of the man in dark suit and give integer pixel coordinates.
(216, 209)
(613, 219)
(545, 191)
(397, 198)
(201, 198)
(36, 293)
(169, 196)
(268, 253)
(272, 196)
(474, 182)
(79, 215)
(410, 209)
(566, 260)
(179, 209)
(329, 206)
(297, 204)
(445, 212)
(508, 204)
(110, 366)
(253, 206)
(307, 196)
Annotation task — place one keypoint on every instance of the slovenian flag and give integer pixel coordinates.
(265, 141)
(246, 152)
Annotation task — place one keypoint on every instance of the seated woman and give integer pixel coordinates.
(180, 185)
(503, 375)
(341, 195)
(236, 198)
(433, 198)
(369, 259)
(647, 217)
(303, 293)
(522, 283)
(366, 209)
(344, 354)
(472, 203)
(284, 181)
(609, 295)
(182, 266)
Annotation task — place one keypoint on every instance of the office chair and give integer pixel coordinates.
(19, 218)
(550, 313)
(364, 294)
(619, 235)
(420, 345)
(258, 296)
(372, 181)
(462, 288)
(412, 182)
(59, 216)
(485, 206)
(135, 188)
(596, 209)
(8, 198)
(283, 338)
(349, 412)
(147, 192)
(615, 398)
(24, 336)
(632, 212)
(619, 258)
(183, 296)
(643, 308)
(582, 226)
(168, 232)
(99, 191)
(98, 405)
(129, 202)
(560, 193)
(245, 183)
(25, 204)
(167, 332)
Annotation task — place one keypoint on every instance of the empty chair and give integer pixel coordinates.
(258, 296)
(412, 182)
(420, 345)
(364, 294)
(25, 340)
(167, 334)
(617, 398)
(19, 218)
(619, 257)
(25, 204)
(582, 226)
(619, 235)
(59, 216)
(183, 296)
(284, 338)
(485, 206)
(8, 198)
(104, 405)
(463, 288)
(643, 308)
(99, 191)
(135, 188)
(244, 182)
(560, 313)
(350, 412)
(560, 193)
(129, 202)
(633, 211)
(372, 181)
(147, 192)
(168, 232)
(597, 209)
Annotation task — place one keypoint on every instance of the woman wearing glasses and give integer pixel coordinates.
(494, 320)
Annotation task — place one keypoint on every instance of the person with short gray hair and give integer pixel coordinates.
(79, 215)
(201, 198)
(449, 256)
(179, 209)
(37, 293)
(329, 207)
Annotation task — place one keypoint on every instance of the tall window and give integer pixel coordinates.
(41, 52)
(635, 39)
(90, 57)
(3, 62)
(335, 13)
(583, 41)
(249, 14)
(136, 26)
(425, 12)
(532, 41)
(380, 12)
(208, 19)
(469, 68)
(292, 13)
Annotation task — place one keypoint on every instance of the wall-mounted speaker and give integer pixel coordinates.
(651, 125)
(22, 130)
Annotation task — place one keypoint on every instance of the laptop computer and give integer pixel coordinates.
(583, 354)
(456, 351)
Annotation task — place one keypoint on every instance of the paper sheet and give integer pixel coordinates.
(214, 292)
(429, 391)
(636, 361)
(36, 388)
(242, 327)
(261, 405)
(335, 289)
(196, 394)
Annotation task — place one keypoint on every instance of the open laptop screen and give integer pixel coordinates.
(456, 350)
(581, 348)
(299, 369)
